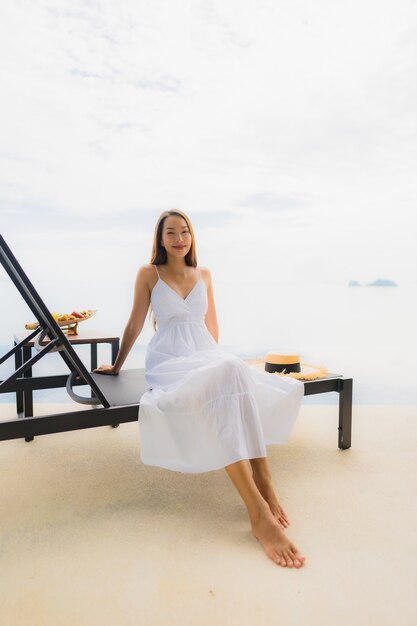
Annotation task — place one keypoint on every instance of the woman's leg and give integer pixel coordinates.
(264, 525)
(263, 479)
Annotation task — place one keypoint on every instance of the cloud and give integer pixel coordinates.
(38, 218)
(272, 202)
(164, 83)
(114, 112)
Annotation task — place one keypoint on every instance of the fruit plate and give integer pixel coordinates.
(69, 325)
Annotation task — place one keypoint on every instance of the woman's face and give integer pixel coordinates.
(176, 237)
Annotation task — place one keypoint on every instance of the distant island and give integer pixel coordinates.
(380, 282)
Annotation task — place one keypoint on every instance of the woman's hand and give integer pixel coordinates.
(106, 369)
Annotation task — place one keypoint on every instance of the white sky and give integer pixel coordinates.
(286, 130)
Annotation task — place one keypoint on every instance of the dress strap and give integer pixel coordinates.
(157, 271)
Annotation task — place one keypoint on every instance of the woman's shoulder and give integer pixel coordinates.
(148, 274)
(149, 268)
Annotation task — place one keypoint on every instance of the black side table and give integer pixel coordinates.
(24, 399)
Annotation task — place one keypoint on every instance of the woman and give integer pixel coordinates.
(206, 408)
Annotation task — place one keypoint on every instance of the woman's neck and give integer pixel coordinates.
(176, 267)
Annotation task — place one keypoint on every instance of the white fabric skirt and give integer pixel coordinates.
(210, 409)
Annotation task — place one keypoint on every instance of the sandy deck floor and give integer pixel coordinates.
(90, 536)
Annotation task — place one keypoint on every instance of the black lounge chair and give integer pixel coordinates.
(119, 396)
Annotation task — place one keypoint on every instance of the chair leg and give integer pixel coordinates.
(93, 361)
(27, 395)
(19, 394)
(345, 413)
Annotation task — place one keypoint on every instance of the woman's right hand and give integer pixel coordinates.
(106, 369)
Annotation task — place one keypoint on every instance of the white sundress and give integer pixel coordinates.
(206, 408)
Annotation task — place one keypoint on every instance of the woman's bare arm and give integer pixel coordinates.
(135, 323)
(211, 316)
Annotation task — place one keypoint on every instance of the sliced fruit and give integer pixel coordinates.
(77, 314)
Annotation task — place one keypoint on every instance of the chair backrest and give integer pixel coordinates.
(46, 320)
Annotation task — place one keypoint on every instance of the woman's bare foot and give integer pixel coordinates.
(276, 545)
(267, 491)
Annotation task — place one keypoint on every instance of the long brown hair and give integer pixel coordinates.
(159, 253)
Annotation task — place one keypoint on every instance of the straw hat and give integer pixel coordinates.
(287, 365)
